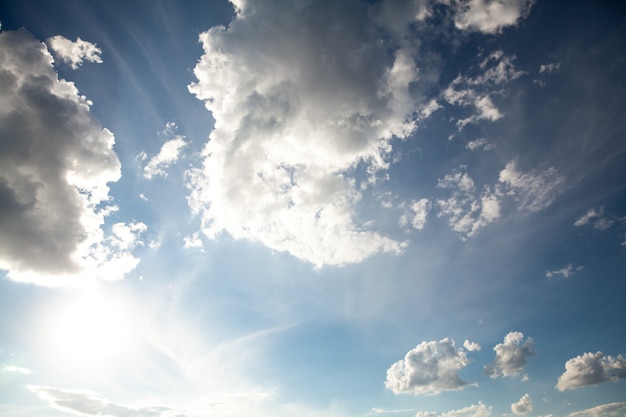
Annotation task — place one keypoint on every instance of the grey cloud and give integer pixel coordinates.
(523, 406)
(616, 409)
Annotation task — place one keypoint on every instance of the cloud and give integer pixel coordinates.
(523, 406)
(549, 68)
(466, 209)
(471, 346)
(480, 143)
(304, 122)
(565, 272)
(596, 217)
(17, 369)
(428, 369)
(511, 355)
(168, 155)
(193, 242)
(86, 403)
(489, 16)
(416, 214)
(534, 190)
(474, 410)
(617, 409)
(74, 53)
(55, 165)
(591, 369)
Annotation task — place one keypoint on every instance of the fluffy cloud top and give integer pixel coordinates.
(55, 163)
(304, 117)
(75, 52)
(591, 369)
(490, 16)
(511, 355)
(86, 403)
(430, 368)
(523, 406)
(474, 410)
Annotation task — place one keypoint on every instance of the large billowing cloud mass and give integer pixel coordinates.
(591, 369)
(55, 163)
(429, 368)
(511, 355)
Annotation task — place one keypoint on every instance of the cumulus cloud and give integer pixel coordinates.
(467, 210)
(489, 16)
(304, 119)
(75, 52)
(87, 403)
(534, 190)
(55, 165)
(523, 406)
(168, 155)
(591, 369)
(617, 409)
(428, 369)
(471, 346)
(511, 355)
(564, 272)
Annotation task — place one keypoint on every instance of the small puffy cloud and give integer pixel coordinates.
(471, 346)
(591, 369)
(474, 410)
(55, 166)
(480, 143)
(75, 52)
(416, 214)
(523, 406)
(168, 155)
(617, 409)
(87, 403)
(17, 369)
(549, 68)
(466, 209)
(428, 369)
(511, 355)
(489, 16)
(534, 190)
(564, 272)
(193, 242)
(596, 218)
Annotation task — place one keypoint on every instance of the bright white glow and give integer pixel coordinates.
(91, 329)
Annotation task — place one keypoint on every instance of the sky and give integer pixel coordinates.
(312, 208)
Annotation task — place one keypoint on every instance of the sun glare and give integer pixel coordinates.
(90, 329)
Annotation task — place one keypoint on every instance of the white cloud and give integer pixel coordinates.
(168, 155)
(193, 242)
(523, 406)
(595, 217)
(430, 368)
(299, 116)
(17, 369)
(55, 166)
(489, 16)
(617, 409)
(87, 403)
(565, 272)
(466, 209)
(480, 143)
(74, 53)
(474, 410)
(416, 214)
(549, 68)
(534, 190)
(591, 369)
(511, 355)
(471, 346)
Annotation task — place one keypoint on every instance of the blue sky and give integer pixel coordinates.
(312, 208)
